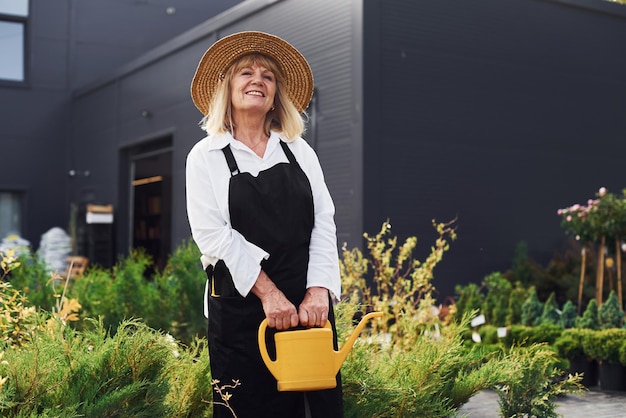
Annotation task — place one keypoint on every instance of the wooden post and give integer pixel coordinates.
(583, 256)
(618, 266)
(600, 271)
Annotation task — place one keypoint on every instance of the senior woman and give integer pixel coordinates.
(263, 219)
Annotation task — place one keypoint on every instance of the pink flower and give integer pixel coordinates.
(602, 191)
(569, 218)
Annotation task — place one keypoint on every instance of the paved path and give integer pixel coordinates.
(591, 404)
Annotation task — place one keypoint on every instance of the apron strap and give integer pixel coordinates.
(288, 153)
(230, 160)
(232, 164)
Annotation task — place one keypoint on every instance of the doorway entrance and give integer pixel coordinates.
(151, 203)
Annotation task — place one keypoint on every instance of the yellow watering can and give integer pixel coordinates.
(306, 359)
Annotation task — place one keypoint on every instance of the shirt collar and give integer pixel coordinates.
(220, 141)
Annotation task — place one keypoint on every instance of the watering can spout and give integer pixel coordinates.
(347, 346)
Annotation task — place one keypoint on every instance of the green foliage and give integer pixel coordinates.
(33, 280)
(532, 309)
(18, 321)
(413, 364)
(170, 300)
(469, 299)
(433, 377)
(402, 285)
(182, 286)
(495, 306)
(524, 335)
(568, 315)
(488, 334)
(622, 353)
(610, 314)
(604, 345)
(516, 301)
(590, 316)
(137, 372)
(569, 344)
(532, 382)
(550, 313)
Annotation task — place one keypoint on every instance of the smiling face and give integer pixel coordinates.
(252, 86)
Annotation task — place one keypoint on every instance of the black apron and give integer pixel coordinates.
(275, 212)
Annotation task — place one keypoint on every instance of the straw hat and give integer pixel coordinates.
(297, 75)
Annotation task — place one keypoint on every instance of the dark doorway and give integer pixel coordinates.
(151, 197)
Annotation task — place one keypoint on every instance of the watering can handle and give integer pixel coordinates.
(271, 364)
(263, 348)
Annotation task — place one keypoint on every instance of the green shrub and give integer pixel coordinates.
(534, 378)
(610, 314)
(532, 309)
(568, 315)
(170, 300)
(34, 281)
(469, 299)
(182, 283)
(489, 334)
(433, 377)
(137, 372)
(604, 345)
(522, 335)
(570, 343)
(622, 353)
(495, 306)
(550, 313)
(516, 300)
(589, 319)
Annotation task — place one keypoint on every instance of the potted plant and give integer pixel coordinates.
(604, 346)
(569, 345)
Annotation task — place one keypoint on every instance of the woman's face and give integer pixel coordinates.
(252, 89)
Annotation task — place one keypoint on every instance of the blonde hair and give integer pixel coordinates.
(284, 118)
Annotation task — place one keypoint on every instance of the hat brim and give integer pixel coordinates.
(297, 75)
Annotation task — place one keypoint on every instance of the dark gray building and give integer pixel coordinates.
(497, 113)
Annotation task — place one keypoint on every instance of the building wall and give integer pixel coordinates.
(109, 117)
(495, 113)
(34, 122)
(71, 43)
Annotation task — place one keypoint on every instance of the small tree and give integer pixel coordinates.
(532, 309)
(469, 299)
(550, 313)
(516, 300)
(568, 315)
(495, 304)
(610, 314)
(590, 317)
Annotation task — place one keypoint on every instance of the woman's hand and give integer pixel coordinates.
(313, 310)
(280, 313)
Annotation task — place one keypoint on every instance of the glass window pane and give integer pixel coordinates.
(12, 51)
(14, 7)
(10, 214)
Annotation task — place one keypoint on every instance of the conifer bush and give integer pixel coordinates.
(589, 319)
(610, 314)
(532, 309)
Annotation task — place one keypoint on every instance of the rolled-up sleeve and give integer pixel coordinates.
(207, 211)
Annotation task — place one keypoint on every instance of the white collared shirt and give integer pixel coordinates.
(208, 177)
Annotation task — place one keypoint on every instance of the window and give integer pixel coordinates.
(10, 214)
(13, 18)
